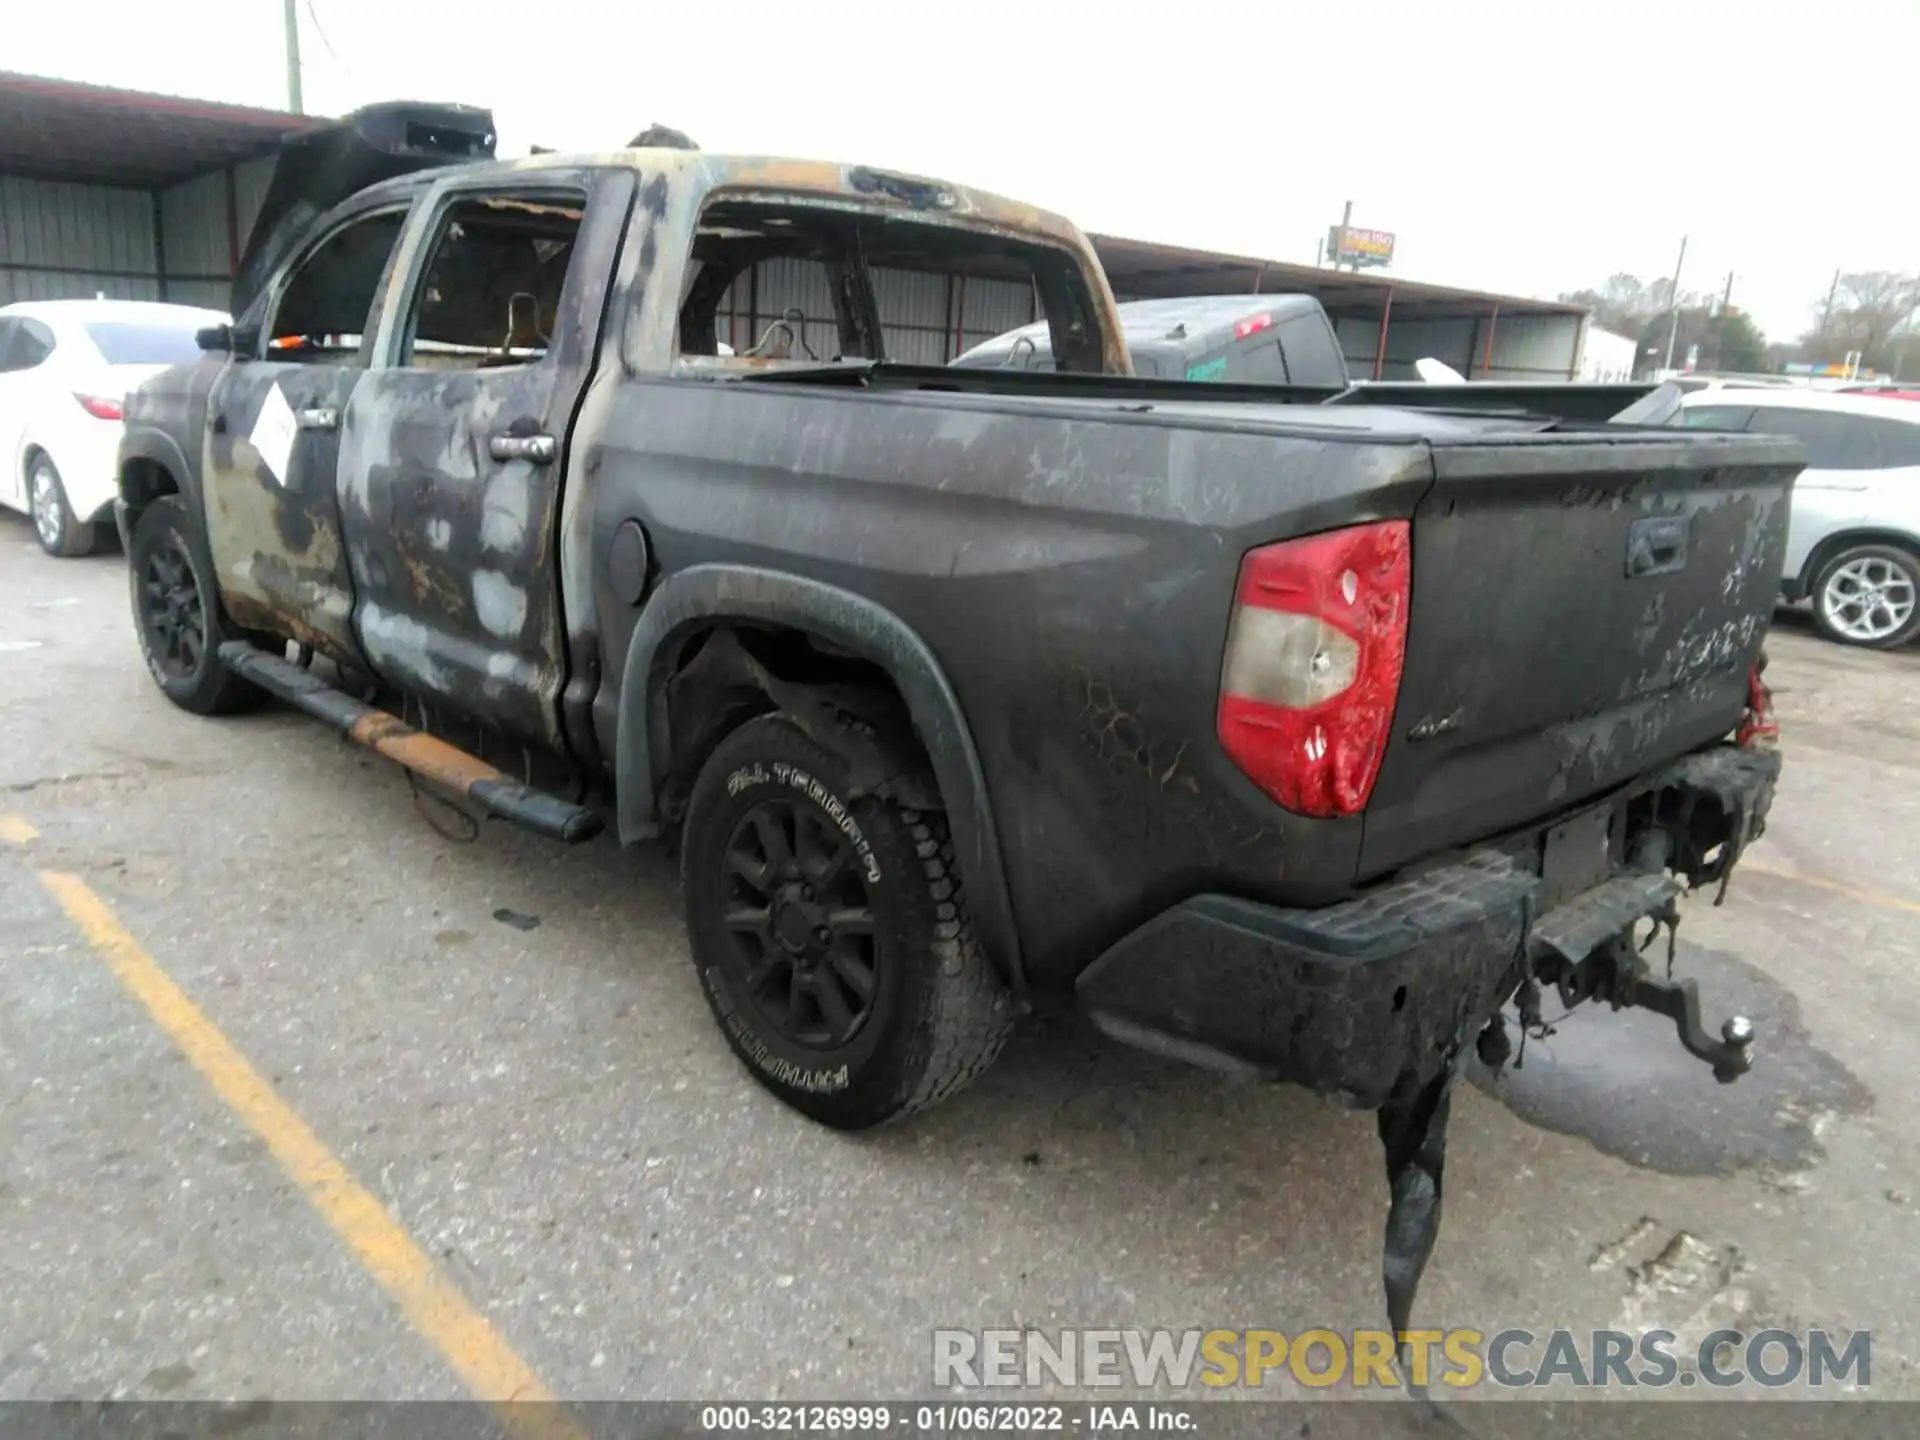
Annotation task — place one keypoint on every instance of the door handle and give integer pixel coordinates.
(320, 417)
(538, 449)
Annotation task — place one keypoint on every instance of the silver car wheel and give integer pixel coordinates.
(45, 499)
(1868, 599)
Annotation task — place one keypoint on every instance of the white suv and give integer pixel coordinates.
(1853, 547)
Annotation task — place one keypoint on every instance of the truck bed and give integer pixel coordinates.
(1069, 552)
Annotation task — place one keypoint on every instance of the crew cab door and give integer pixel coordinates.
(455, 440)
(270, 466)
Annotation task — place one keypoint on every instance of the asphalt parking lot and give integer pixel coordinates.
(288, 1112)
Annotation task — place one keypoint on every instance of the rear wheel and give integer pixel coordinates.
(176, 612)
(61, 532)
(1868, 595)
(831, 936)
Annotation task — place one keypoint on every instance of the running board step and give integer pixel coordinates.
(499, 794)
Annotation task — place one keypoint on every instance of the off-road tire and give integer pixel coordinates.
(940, 1012)
(73, 536)
(166, 530)
(1900, 561)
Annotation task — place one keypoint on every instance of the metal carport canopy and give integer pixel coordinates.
(92, 135)
(1144, 269)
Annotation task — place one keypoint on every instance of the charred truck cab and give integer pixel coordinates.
(1309, 732)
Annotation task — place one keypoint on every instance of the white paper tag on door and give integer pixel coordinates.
(274, 434)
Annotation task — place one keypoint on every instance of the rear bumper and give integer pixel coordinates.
(1349, 998)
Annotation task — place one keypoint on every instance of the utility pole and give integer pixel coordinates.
(1726, 299)
(1340, 246)
(1673, 301)
(1827, 314)
(294, 102)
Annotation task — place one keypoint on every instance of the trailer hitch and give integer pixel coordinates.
(1617, 972)
(1731, 1056)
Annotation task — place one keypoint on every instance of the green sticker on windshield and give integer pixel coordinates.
(1208, 369)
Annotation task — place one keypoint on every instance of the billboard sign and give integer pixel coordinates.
(1359, 246)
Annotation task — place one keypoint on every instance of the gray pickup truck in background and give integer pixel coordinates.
(1293, 737)
(1248, 339)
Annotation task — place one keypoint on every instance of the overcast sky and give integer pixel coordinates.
(1521, 147)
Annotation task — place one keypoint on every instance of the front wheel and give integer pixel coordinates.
(831, 935)
(61, 532)
(1868, 595)
(176, 612)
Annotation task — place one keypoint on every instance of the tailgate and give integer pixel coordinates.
(1584, 608)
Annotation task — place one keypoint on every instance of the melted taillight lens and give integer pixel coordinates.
(1313, 661)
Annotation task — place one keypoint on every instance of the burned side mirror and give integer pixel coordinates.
(214, 337)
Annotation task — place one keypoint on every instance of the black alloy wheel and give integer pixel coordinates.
(173, 611)
(177, 613)
(802, 924)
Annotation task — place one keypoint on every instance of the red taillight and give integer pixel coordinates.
(1314, 653)
(1252, 325)
(99, 406)
(1759, 730)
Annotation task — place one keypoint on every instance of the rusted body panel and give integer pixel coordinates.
(275, 538)
(456, 595)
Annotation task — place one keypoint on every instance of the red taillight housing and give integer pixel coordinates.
(1314, 655)
(100, 407)
(1252, 325)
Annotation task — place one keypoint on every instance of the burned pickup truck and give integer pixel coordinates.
(1294, 737)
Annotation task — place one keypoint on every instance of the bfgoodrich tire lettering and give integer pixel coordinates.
(831, 935)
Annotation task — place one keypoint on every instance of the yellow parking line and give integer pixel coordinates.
(432, 1305)
(17, 829)
(1852, 892)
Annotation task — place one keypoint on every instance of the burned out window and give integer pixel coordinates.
(791, 283)
(489, 294)
(323, 312)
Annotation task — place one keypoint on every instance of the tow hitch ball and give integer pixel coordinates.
(1617, 973)
(1731, 1056)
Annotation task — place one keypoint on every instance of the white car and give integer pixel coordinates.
(1853, 547)
(65, 367)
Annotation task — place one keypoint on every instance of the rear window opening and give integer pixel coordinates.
(803, 283)
(144, 342)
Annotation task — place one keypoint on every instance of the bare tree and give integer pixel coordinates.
(1869, 307)
(1624, 303)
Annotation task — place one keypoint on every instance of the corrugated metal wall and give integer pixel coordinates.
(201, 244)
(58, 241)
(1525, 347)
(61, 241)
(927, 319)
(1536, 347)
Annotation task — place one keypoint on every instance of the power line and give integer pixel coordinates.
(325, 43)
